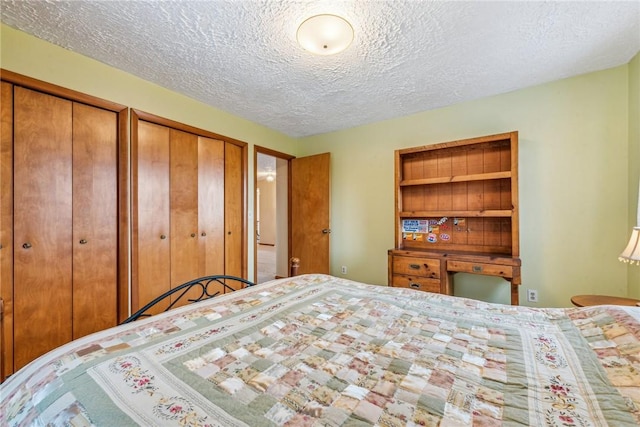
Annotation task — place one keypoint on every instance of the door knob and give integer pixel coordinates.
(193, 234)
(26, 245)
(162, 236)
(83, 242)
(326, 231)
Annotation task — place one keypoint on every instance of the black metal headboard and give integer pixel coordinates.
(192, 291)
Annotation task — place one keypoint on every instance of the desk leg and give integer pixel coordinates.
(447, 286)
(515, 298)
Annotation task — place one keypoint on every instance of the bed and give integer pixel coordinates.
(318, 350)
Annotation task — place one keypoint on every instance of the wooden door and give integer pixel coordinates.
(211, 206)
(151, 214)
(233, 210)
(184, 207)
(42, 224)
(95, 219)
(310, 204)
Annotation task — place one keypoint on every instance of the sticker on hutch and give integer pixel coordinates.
(415, 225)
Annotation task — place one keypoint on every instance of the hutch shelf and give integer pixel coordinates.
(456, 211)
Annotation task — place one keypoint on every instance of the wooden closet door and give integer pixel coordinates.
(184, 208)
(211, 205)
(233, 209)
(95, 219)
(42, 224)
(151, 223)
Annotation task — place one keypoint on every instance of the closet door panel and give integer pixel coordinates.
(151, 223)
(233, 209)
(95, 219)
(211, 205)
(184, 208)
(42, 224)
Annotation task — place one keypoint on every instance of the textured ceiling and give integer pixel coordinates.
(408, 56)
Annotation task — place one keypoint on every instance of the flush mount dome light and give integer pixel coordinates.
(325, 34)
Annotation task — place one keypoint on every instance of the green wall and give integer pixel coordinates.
(573, 146)
(579, 145)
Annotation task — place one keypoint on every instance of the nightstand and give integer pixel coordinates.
(588, 300)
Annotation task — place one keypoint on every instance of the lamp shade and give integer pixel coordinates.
(631, 253)
(325, 34)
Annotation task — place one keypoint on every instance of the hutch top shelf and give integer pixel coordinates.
(459, 196)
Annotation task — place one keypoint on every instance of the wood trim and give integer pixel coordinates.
(245, 209)
(274, 153)
(133, 173)
(515, 218)
(51, 89)
(6, 230)
(397, 201)
(466, 143)
(123, 215)
(148, 117)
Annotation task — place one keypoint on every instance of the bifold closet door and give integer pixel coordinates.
(151, 214)
(187, 208)
(233, 209)
(65, 222)
(42, 224)
(95, 219)
(184, 209)
(211, 206)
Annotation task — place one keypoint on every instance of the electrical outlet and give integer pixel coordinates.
(344, 269)
(532, 295)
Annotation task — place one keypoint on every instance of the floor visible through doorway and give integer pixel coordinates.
(266, 263)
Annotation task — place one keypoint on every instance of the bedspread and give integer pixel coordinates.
(318, 350)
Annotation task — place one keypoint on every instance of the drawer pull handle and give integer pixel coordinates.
(414, 266)
(83, 241)
(26, 245)
(477, 269)
(414, 285)
(162, 236)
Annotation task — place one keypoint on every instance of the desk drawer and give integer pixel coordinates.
(480, 268)
(426, 267)
(414, 282)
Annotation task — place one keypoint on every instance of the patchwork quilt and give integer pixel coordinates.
(317, 350)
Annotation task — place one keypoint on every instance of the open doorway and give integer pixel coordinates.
(271, 214)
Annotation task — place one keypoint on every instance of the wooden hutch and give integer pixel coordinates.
(456, 211)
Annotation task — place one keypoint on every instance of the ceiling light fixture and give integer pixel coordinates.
(325, 34)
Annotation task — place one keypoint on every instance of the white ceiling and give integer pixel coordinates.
(408, 56)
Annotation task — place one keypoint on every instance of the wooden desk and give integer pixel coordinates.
(433, 271)
(588, 300)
